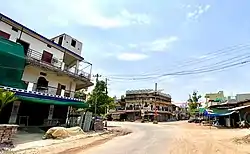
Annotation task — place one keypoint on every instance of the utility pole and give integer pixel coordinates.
(106, 91)
(106, 81)
(155, 114)
(97, 76)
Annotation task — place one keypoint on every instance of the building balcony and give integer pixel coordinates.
(53, 91)
(38, 59)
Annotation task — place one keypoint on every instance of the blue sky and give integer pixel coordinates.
(133, 37)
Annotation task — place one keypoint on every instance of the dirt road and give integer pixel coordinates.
(147, 138)
(173, 138)
(163, 138)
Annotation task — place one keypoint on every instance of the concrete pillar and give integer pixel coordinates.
(30, 86)
(62, 66)
(77, 66)
(51, 111)
(67, 119)
(14, 112)
(62, 92)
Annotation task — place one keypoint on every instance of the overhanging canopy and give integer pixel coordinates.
(76, 104)
(218, 112)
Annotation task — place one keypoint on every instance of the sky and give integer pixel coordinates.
(129, 38)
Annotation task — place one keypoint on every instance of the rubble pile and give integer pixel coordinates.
(6, 134)
(98, 125)
(120, 132)
(245, 139)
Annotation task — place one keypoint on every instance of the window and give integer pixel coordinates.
(4, 35)
(73, 43)
(43, 74)
(60, 40)
(14, 29)
(47, 57)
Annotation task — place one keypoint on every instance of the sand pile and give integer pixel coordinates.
(62, 132)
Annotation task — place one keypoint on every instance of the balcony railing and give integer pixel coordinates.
(148, 108)
(32, 54)
(56, 64)
(53, 91)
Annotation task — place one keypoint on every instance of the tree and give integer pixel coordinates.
(100, 99)
(193, 101)
(6, 97)
(80, 95)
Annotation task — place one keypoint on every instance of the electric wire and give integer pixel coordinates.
(220, 63)
(197, 71)
(209, 56)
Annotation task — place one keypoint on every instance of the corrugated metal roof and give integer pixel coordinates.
(239, 108)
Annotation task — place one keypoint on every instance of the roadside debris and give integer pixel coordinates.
(72, 143)
(242, 140)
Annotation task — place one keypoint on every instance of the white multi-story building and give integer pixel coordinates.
(53, 66)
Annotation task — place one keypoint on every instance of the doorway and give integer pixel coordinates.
(25, 45)
(42, 85)
(47, 57)
(60, 88)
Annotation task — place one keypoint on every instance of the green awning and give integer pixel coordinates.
(201, 110)
(218, 100)
(220, 111)
(53, 102)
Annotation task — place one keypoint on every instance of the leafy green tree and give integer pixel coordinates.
(193, 101)
(6, 97)
(99, 97)
(80, 95)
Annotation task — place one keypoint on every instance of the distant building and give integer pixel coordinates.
(145, 104)
(210, 97)
(242, 97)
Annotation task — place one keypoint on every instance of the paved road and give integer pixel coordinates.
(147, 138)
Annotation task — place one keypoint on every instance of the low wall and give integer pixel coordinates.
(7, 132)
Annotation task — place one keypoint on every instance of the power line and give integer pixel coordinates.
(212, 55)
(198, 71)
(173, 73)
(203, 68)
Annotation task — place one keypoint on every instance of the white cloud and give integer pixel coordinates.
(132, 45)
(131, 56)
(198, 11)
(161, 44)
(91, 13)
